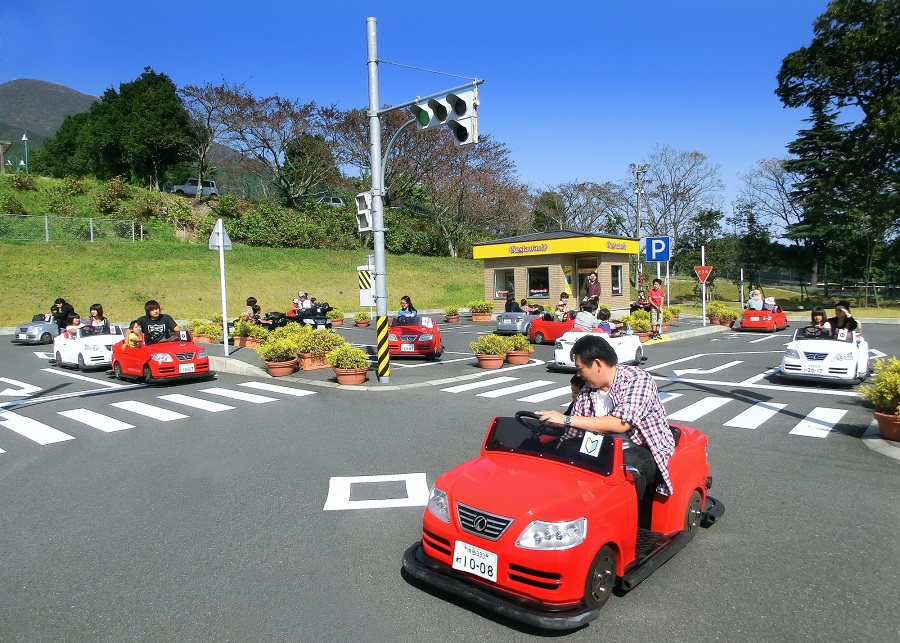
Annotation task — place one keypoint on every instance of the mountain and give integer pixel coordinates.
(38, 106)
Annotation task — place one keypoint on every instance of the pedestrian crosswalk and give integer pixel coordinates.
(123, 414)
(730, 412)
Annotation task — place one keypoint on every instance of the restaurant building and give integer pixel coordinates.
(542, 265)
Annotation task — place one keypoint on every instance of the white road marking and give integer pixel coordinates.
(148, 410)
(196, 402)
(548, 395)
(656, 367)
(819, 422)
(755, 415)
(707, 371)
(24, 389)
(339, 492)
(482, 384)
(765, 387)
(85, 378)
(32, 429)
(756, 378)
(874, 352)
(508, 390)
(275, 388)
(44, 355)
(762, 339)
(96, 420)
(699, 409)
(239, 395)
(665, 397)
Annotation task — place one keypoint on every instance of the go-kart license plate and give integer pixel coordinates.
(812, 370)
(407, 348)
(185, 368)
(506, 321)
(754, 317)
(21, 336)
(469, 558)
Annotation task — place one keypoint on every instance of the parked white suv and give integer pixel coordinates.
(332, 201)
(188, 187)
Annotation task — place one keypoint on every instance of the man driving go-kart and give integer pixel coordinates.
(156, 325)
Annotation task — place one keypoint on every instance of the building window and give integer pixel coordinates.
(504, 283)
(538, 282)
(616, 279)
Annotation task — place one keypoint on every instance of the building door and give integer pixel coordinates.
(585, 266)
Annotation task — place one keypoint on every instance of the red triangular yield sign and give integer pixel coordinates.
(703, 272)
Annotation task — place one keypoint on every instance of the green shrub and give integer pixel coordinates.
(361, 316)
(23, 182)
(451, 311)
(9, 204)
(519, 343)
(318, 342)
(334, 313)
(280, 350)
(248, 329)
(489, 345)
(347, 356)
(480, 306)
(883, 390)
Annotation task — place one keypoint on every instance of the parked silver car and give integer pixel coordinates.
(40, 330)
(188, 187)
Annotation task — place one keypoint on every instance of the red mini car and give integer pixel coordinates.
(177, 359)
(770, 320)
(543, 538)
(420, 337)
(547, 329)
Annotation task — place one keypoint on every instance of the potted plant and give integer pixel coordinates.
(247, 333)
(350, 364)
(714, 311)
(883, 391)
(361, 319)
(667, 317)
(312, 346)
(336, 316)
(452, 314)
(674, 311)
(490, 350)
(205, 332)
(279, 356)
(518, 349)
(639, 322)
(481, 309)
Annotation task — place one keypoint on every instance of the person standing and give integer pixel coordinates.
(656, 296)
(622, 400)
(592, 289)
(61, 311)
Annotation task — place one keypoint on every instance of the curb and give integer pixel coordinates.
(872, 439)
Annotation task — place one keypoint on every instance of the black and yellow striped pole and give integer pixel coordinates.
(383, 370)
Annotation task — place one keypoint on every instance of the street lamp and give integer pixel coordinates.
(25, 138)
(22, 166)
(638, 171)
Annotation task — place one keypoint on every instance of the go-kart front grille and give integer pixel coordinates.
(815, 357)
(184, 357)
(481, 523)
(408, 338)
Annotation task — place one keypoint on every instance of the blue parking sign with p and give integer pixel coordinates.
(658, 248)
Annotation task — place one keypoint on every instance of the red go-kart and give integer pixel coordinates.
(543, 537)
(768, 320)
(415, 338)
(547, 329)
(177, 359)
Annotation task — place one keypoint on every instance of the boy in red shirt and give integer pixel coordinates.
(657, 296)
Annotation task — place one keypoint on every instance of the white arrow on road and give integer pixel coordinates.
(706, 371)
(24, 389)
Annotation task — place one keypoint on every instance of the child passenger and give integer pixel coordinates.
(134, 335)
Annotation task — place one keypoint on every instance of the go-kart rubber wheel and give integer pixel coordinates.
(539, 338)
(58, 359)
(46, 338)
(148, 375)
(601, 578)
(693, 514)
(774, 326)
(117, 370)
(81, 364)
(638, 356)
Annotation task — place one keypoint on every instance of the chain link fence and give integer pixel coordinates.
(26, 227)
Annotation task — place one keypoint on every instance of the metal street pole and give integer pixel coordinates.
(638, 171)
(25, 138)
(383, 367)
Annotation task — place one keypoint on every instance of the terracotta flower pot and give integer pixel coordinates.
(516, 358)
(643, 336)
(350, 376)
(246, 342)
(481, 317)
(360, 324)
(452, 319)
(714, 320)
(490, 361)
(310, 361)
(674, 318)
(279, 369)
(664, 328)
(337, 322)
(889, 425)
(202, 339)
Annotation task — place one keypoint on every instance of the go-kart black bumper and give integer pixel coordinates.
(436, 574)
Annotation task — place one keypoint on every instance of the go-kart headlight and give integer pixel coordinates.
(843, 357)
(792, 353)
(426, 338)
(392, 337)
(557, 344)
(553, 535)
(161, 357)
(437, 505)
(34, 330)
(201, 353)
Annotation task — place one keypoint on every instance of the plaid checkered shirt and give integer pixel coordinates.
(634, 399)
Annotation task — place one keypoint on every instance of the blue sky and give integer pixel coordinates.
(576, 90)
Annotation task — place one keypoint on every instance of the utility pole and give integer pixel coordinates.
(638, 171)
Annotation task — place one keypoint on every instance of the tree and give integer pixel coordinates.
(581, 205)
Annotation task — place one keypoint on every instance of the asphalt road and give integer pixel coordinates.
(259, 509)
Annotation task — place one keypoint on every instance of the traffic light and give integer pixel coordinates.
(456, 111)
(364, 211)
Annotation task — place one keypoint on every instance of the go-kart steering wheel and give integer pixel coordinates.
(812, 331)
(533, 422)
